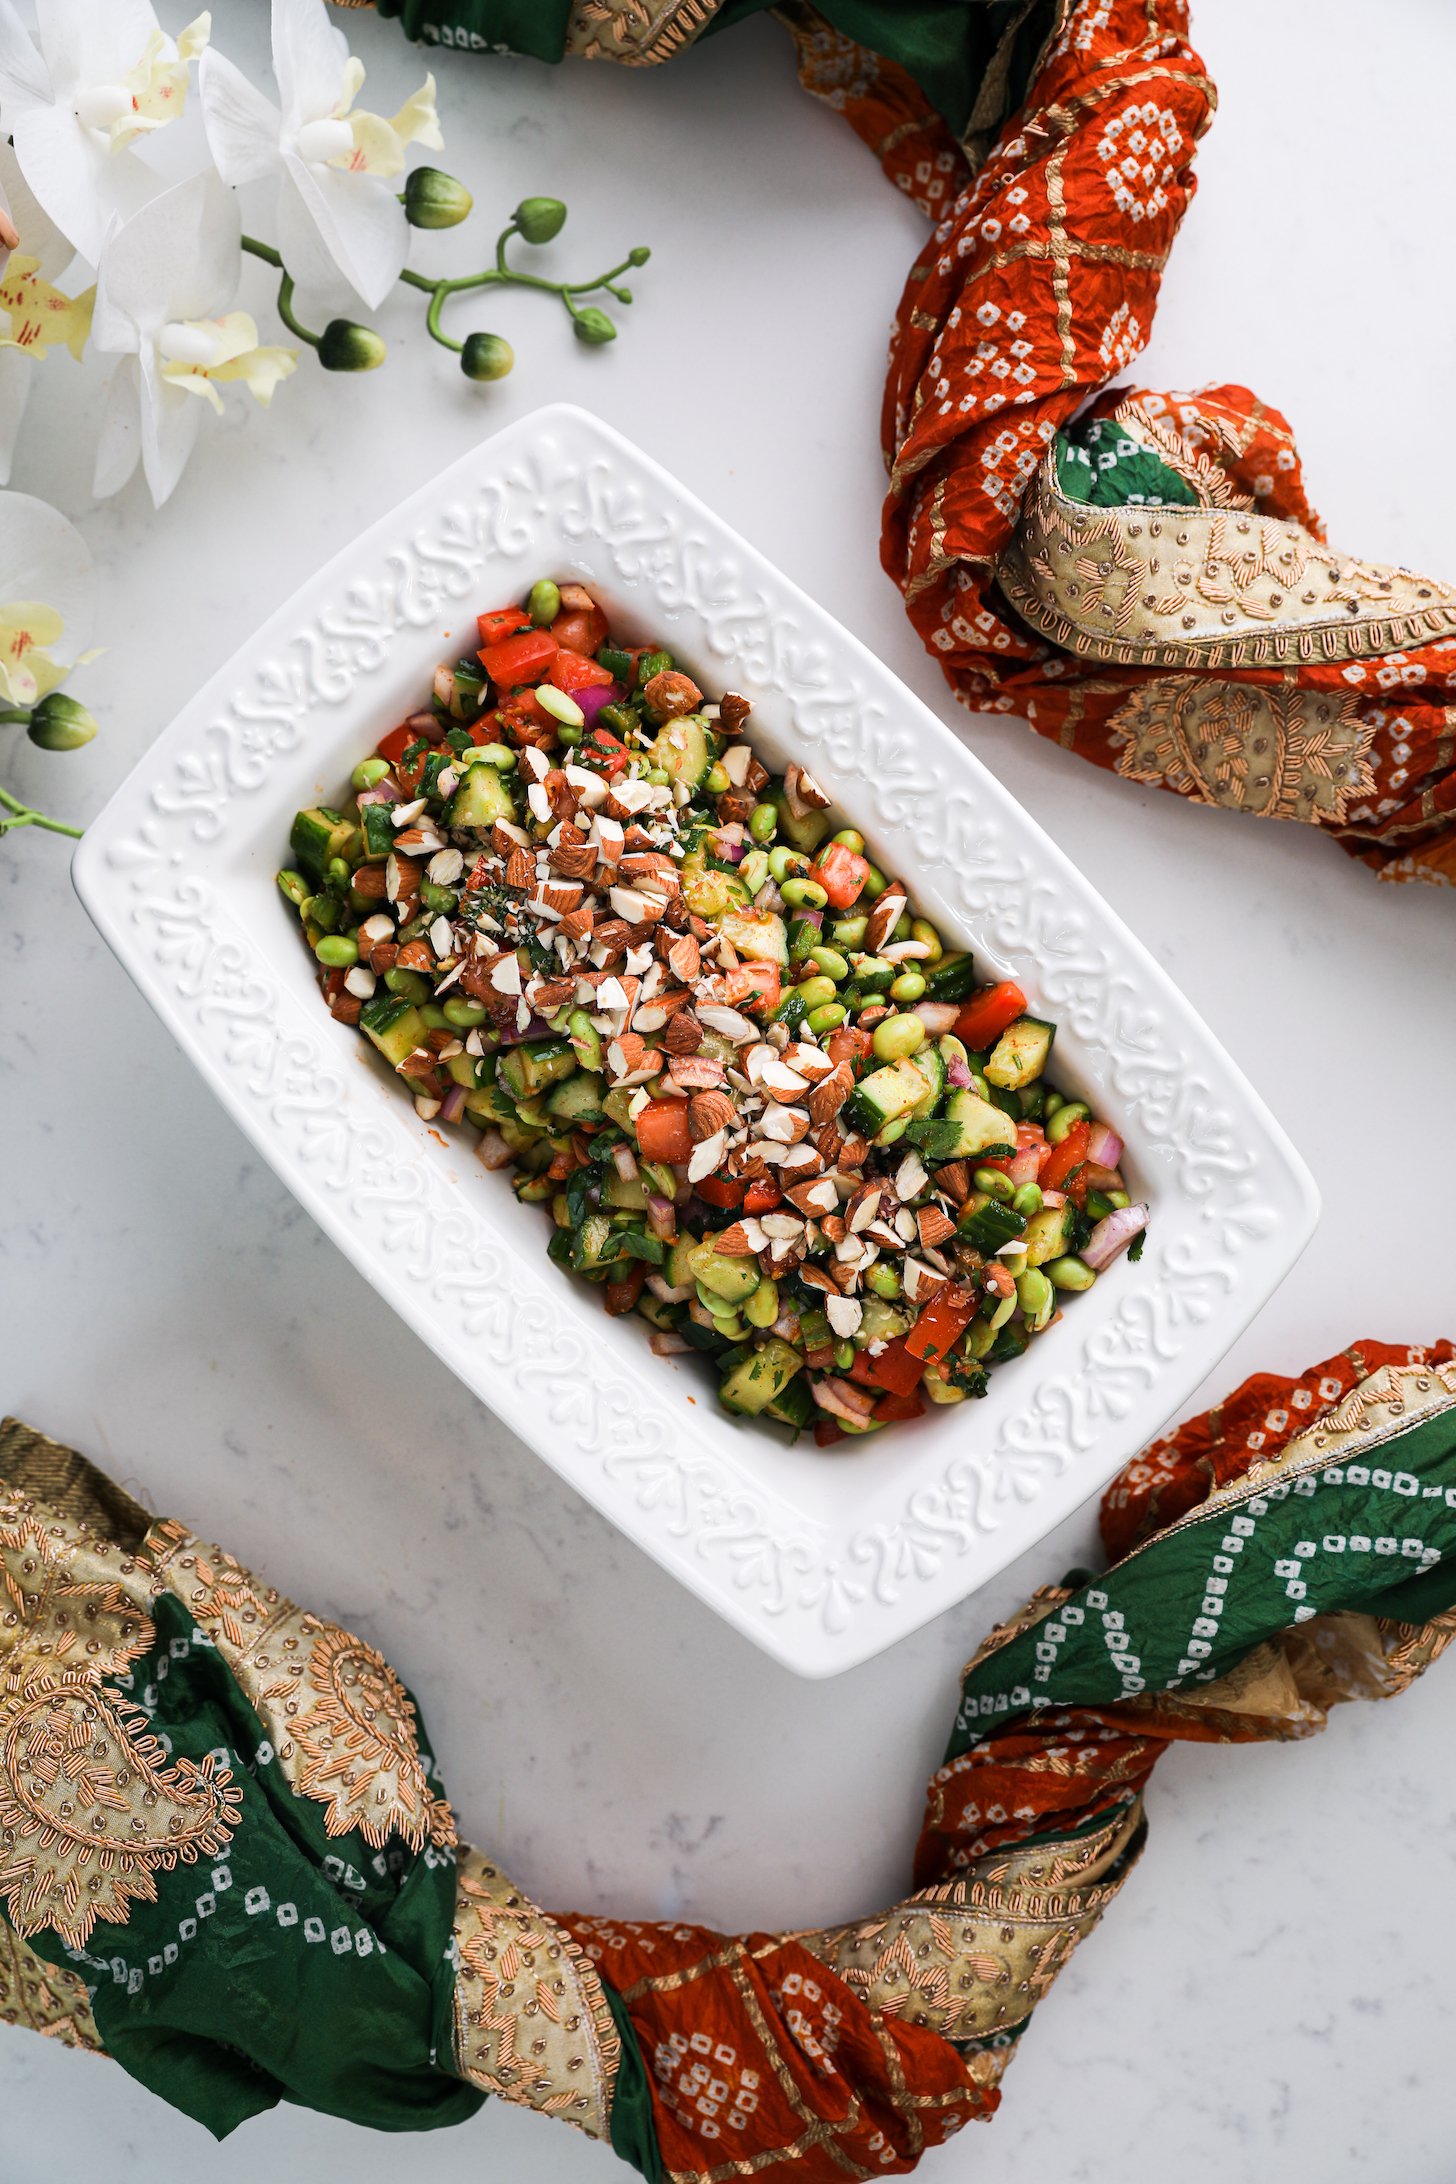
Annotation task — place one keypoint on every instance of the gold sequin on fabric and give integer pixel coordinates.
(40, 1998)
(339, 1719)
(531, 2017)
(1207, 587)
(637, 33)
(1276, 752)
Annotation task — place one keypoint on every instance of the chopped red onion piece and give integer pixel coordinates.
(452, 1106)
(661, 1217)
(938, 1017)
(592, 701)
(625, 1162)
(666, 1293)
(1112, 1235)
(957, 1072)
(493, 1150)
(1104, 1146)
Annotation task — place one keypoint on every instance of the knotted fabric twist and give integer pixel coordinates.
(226, 1858)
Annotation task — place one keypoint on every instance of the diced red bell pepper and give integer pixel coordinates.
(754, 985)
(522, 718)
(850, 1044)
(501, 622)
(581, 629)
(571, 672)
(895, 1369)
(663, 1131)
(1062, 1160)
(762, 1197)
(987, 1013)
(523, 658)
(939, 1327)
(826, 1432)
(485, 728)
(841, 872)
(410, 772)
(892, 1408)
(716, 1190)
(397, 742)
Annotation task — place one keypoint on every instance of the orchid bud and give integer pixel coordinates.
(433, 199)
(639, 256)
(345, 347)
(486, 356)
(539, 219)
(60, 724)
(593, 326)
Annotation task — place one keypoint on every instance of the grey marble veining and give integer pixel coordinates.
(1269, 1996)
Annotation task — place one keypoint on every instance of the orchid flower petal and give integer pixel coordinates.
(24, 81)
(417, 122)
(44, 558)
(361, 222)
(120, 443)
(15, 374)
(93, 41)
(39, 234)
(170, 425)
(309, 58)
(242, 126)
(82, 185)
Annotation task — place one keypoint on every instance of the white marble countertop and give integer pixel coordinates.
(171, 1311)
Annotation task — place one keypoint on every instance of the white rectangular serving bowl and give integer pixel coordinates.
(823, 1559)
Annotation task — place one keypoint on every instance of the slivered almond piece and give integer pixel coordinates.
(736, 1242)
(813, 1199)
(710, 1114)
(696, 1072)
(402, 876)
(934, 1225)
(954, 1179)
(920, 1280)
(520, 868)
(783, 1125)
(864, 1205)
(574, 860)
(578, 923)
(684, 1034)
(884, 917)
(827, 1098)
(810, 1061)
(684, 959)
(624, 1055)
(708, 1154)
(562, 895)
(552, 994)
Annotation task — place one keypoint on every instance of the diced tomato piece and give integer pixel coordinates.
(570, 672)
(987, 1013)
(602, 750)
(939, 1327)
(485, 728)
(523, 658)
(396, 743)
(501, 622)
(522, 718)
(663, 1132)
(1063, 1160)
(410, 772)
(755, 985)
(841, 872)
(715, 1190)
(581, 629)
(762, 1197)
(895, 1369)
(826, 1432)
(851, 1045)
(1030, 1146)
(892, 1408)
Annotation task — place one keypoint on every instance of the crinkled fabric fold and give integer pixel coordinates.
(227, 1861)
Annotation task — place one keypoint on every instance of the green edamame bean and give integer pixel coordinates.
(433, 1016)
(883, 1280)
(1027, 1200)
(784, 863)
(831, 964)
(909, 986)
(436, 898)
(408, 985)
(995, 1185)
(295, 887)
(850, 838)
(754, 870)
(499, 755)
(814, 992)
(762, 1308)
(763, 822)
(368, 772)
(977, 1340)
(922, 929)
(828, 1018)
(803, 894)
(464, 1015)
(337, 872)
(337, 951)
(844, 1355)
(1069, 1273)
(896, 1038)
(568, 735)
(875, 884)
(717, 783)
(325, 911)
(657, 777)
(848, 932)
(872, 974)
(1066, 1117)
(544, 602)
(1052, 1102)
(1035, 1295)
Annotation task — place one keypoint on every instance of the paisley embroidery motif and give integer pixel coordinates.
(43, 1998)
(341, 1722)
(636, 32)
(60, 1602)
(90, 1808)
(532, 2022)
(1279, 753)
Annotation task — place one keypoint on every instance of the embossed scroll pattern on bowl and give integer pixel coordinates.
(177, 873)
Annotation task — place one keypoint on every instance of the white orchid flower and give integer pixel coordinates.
(47, 599)
(337, 165)
(104, 76)
(35, 315)
(167, 280)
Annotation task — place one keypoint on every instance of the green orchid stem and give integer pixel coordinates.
(503, 275)
(269, 255)
(22, 815)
